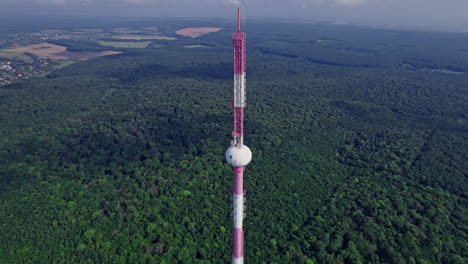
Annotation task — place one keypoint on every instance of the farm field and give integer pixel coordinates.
(197, 31)
(195, 46)
(54, 52)
(11, 54)
(150, 28)
(126, 31)
(84, 55)
(52, 31)
(60, 64)
(119, 44)
(93, 30)
(140, 37)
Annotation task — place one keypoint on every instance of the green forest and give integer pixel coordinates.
(359, 139)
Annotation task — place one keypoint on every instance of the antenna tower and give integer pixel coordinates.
(238, 155)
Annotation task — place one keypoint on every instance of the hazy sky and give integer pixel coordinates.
(419, 13)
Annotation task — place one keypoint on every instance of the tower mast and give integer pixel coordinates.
(238, 155)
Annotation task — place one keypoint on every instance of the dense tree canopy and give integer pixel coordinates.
(359, 157)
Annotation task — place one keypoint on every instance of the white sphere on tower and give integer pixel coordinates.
(238, 156)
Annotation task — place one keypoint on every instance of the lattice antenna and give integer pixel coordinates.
(238, 155)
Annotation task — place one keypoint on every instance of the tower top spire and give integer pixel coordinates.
(238, 19)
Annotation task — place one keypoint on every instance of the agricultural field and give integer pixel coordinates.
(84, 55)
(58, 64)
(42, 50)
(196, 32)
(7, 54)
(126, 31)
(195, 46)
(143, 37)
(122, 44)
(150, 28)
(91, 30)
(54, 52)
(52, 31)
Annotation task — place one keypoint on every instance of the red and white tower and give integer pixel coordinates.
(238, 155)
